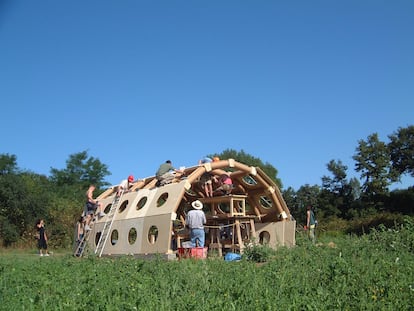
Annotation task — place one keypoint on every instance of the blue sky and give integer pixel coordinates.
(294, 83)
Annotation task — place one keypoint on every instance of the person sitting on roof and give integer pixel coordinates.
(206, 179)
(205, 160)
(166, 173)
(226, 184)
(125, 185)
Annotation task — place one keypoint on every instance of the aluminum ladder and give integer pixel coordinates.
(108, 224)
(83, 243)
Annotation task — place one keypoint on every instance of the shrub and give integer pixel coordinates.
(258, 252)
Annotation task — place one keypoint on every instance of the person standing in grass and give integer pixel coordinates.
(42, 238)
(195, 222)
(310, 223)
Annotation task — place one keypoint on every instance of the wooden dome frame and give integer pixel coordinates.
(152, 212)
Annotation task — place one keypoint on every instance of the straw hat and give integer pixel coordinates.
(197, 205)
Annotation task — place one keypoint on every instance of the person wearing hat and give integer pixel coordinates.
(195, 222)
(125, 185)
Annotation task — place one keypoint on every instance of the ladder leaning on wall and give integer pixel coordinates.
(83, 243)
(108, 224)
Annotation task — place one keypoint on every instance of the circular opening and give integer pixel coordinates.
(152, 234)
(223, 207)
(114, 237)
(97, 237)
(264, 237)
(107, 208)
(162, 199)
(132, 236)
(141, 203)
(265, 202)
(249, 180)
(123, 206)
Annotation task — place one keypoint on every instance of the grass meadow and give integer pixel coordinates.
(374, 271)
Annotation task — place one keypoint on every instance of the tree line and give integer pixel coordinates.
(59, 198)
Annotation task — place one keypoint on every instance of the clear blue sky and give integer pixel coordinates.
(294, 83)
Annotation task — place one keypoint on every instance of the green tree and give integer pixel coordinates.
(23, 198)
(289, 195)
(8, 164)
(373, 161)
(250, 160)
(337, 193)
(306, 195)
(401, 148)
(81, 171)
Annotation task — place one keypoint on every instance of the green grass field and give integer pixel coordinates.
(372, 272)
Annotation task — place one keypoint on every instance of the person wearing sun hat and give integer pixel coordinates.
(125, 185)
(195, 222)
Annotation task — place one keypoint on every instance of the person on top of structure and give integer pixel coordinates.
(205, 160)
(125, 185)
(226, 184)
(166, 173)
(206, 180)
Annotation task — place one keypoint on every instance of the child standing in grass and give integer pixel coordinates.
(42, 241)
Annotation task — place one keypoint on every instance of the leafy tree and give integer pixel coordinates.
(306, 195)
(338, 193)
(401, 148)
(289, 195)
(23, 198)
(8, 164)
(248, 159)
(336, 183)
(81, 171)
(373, 161)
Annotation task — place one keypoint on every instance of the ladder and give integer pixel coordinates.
(108, 225)
(83, 243)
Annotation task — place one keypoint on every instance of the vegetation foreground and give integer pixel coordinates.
(371, 272)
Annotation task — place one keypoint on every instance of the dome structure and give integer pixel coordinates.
(150, 219)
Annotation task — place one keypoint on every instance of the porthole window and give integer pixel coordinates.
(123, 206)
(249, 180)
(132, 236)
(114, 237)
(265, 202)
(97, 237)
(141, 203)
(107, 208)
(223, 207)
(152, 234)
(264, 237)
(162, 199)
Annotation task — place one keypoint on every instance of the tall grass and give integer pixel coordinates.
(369, 272)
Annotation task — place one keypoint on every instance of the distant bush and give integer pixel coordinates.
(365, 224)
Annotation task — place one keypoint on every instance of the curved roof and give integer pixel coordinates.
(263, 197)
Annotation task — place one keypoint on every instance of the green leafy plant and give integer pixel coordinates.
(258, 252)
